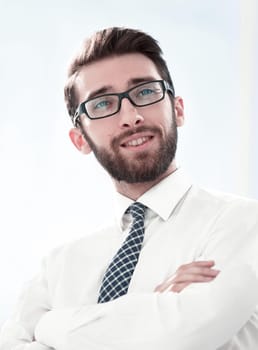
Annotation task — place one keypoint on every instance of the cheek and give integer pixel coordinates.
(166, 116)
(166, 108)
(100, 130)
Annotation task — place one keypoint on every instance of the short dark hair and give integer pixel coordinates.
(110, 42)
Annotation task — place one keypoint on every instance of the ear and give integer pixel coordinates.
(179, 111)
(79, 141)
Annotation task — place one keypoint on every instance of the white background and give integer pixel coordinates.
(49, 193)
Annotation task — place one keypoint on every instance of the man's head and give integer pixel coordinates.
(110, 42)
(121, 98)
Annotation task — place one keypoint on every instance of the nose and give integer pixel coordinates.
(129, 115)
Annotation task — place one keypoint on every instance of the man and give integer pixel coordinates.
(134, 285)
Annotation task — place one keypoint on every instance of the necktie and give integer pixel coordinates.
(118, 275)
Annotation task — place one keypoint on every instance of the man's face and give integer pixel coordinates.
(137, 144)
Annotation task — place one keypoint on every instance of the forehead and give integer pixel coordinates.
(116, 72)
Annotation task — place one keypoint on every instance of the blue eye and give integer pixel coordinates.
(145, 92)
(102, 104)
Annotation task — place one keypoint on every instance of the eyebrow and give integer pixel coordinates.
(108, 88)
(139, 80)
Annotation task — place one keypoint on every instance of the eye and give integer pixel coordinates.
(102, 104)
(146, 91)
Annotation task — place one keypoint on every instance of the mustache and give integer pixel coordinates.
(118, 139)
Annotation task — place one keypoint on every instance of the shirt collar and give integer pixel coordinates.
(161, 198)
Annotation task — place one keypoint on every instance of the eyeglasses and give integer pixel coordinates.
(106, 105)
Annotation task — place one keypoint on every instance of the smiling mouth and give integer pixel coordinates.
(137, 142)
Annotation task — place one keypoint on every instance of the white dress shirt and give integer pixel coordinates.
(59, 310)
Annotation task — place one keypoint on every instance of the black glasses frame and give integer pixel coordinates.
(82, 109)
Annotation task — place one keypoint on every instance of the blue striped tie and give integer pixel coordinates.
(119, 273)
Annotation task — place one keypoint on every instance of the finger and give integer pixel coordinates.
(177, 288)
(169, 285)
(186, 278)
(192, 278)
(192, 273)
(184, 272)
(162, 287)
(201, 263)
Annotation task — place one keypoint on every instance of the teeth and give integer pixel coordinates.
(137, 142)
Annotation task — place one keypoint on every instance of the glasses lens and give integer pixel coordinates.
(147, 93)
(102, 106)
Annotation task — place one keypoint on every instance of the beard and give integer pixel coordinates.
(147, 165)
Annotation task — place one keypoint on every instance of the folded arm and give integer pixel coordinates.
(203, 317)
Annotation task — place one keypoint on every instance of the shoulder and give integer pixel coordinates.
(223, 213)
(224, 201)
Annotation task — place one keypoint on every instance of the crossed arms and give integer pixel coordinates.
(202, 316)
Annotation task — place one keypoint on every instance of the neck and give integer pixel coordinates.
(136, 190)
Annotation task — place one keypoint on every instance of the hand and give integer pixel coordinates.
(194, 272)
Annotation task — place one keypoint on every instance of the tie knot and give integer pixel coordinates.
(137, 209)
